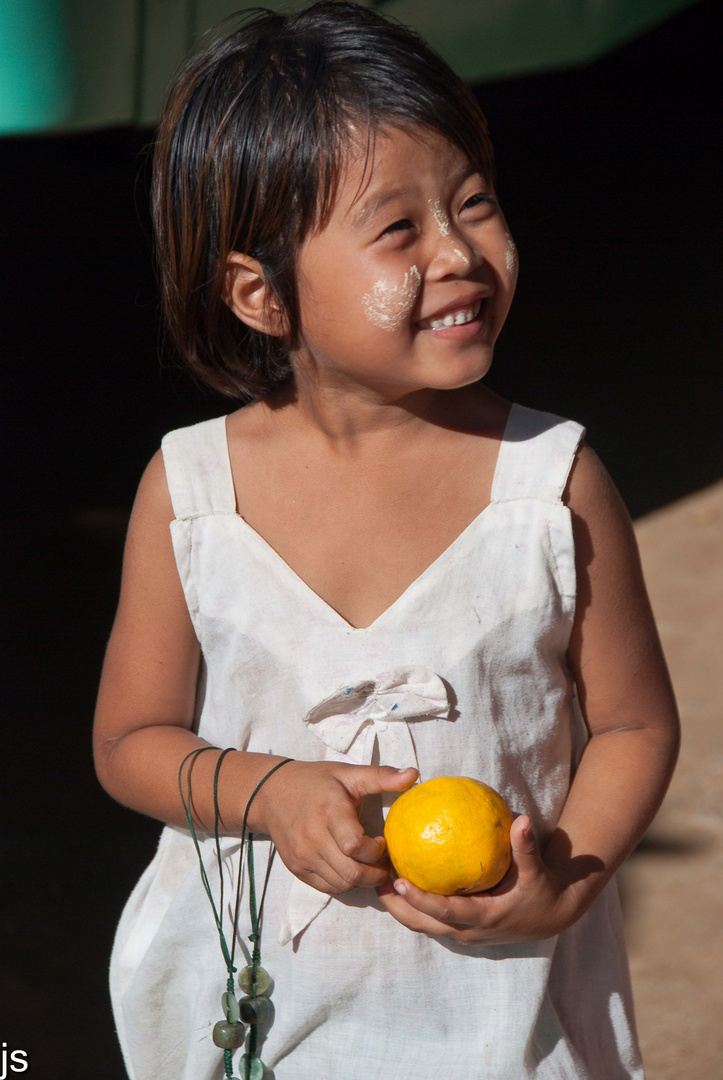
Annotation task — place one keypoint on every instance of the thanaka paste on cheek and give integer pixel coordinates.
(388, 305)
(511, 256)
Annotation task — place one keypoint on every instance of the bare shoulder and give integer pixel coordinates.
(153, 497)
(152, 657)
(590, 490)
(614, 650)
(152, 513)
(150, 577)
(603, 530)
(149, 564)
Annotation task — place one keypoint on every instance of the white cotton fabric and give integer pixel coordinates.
(352, 722)
(474, 651)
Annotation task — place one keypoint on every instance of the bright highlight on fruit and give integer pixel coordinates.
(450, 835)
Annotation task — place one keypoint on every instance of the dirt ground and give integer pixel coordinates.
(671, 886)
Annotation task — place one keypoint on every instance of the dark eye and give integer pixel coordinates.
(479, 198)
(398, 226)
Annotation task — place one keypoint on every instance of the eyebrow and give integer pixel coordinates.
(371, 208)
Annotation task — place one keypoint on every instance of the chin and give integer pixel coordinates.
(455, 376)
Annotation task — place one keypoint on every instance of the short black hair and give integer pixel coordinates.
(248, 158)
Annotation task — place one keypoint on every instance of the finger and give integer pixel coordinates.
(318, 873)
(353, 874)
(448, 910)
(321, 882)
(331, 873)
(361, 780)
(416, 920)
(351, 854)
(353, 842)
(525, 852)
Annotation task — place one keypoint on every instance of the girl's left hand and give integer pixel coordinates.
(532, 902)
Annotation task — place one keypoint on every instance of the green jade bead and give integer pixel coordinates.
(263, 980)
(256, 1071)
(256, 1010)
(230, 1007)
(229, 1036)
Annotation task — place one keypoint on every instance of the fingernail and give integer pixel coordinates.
(400, 888)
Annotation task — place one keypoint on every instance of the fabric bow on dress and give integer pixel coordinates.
(350, 722)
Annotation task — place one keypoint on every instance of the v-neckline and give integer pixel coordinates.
(329, 608)
(305, 589)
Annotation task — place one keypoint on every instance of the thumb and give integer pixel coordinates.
(391, 779)
(525, 852)
(373, 779)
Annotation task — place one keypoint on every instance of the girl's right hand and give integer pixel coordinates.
(309, 809)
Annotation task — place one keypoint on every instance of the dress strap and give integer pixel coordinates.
(198, 469)
(535, 456)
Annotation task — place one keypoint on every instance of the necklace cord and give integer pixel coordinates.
(187, 802)
(255, 913)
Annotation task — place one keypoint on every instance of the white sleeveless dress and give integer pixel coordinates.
(464, 674)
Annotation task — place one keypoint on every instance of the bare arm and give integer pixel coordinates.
(625, 769)
(144, 718)
(623, 685)
(147, 692)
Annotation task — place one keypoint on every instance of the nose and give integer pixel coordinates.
(452, 253)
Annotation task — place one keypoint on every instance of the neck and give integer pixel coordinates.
(349, 417)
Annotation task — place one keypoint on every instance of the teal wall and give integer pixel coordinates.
(36, 81)
(80, 64)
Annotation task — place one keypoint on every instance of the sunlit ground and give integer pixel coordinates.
(671, 886)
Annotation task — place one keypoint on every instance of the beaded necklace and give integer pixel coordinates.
(255, 1006)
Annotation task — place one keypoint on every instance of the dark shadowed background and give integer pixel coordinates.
(606, 177)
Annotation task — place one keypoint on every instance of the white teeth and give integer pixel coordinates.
(456, 318)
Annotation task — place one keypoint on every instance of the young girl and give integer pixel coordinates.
(378, 569)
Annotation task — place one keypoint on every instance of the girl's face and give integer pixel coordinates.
(409, 283)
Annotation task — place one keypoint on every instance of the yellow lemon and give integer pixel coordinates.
(450, 835)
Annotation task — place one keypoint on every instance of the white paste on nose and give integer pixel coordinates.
(511, 256)
(440, 216)
(388, 305)
(443, 224)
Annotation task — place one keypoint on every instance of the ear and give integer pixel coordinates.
(247, 295)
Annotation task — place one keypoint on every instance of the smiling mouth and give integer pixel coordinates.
(453, 318)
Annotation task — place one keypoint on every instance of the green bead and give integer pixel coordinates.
(230, 1007)
(263, 980)
(229, 1036)
(256, 1010)
(256, 1071)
